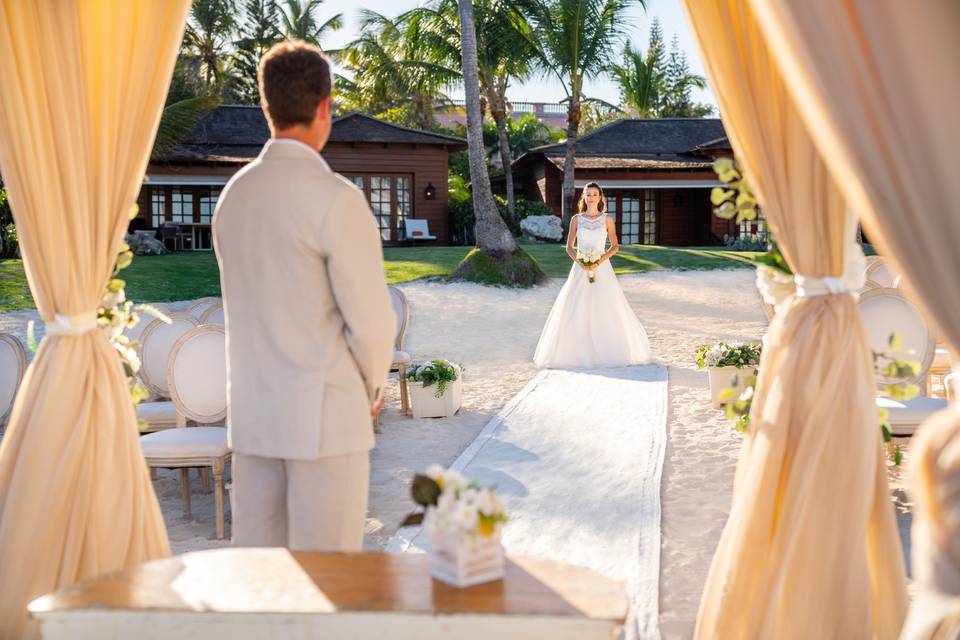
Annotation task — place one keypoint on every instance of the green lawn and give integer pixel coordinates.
(185, 276)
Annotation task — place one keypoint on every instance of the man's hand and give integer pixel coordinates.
(376, 408)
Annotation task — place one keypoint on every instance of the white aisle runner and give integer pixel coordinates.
(577, 456)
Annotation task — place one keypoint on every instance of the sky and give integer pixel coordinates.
(672, 21)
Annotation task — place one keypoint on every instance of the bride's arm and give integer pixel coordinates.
(571, 238)
(614, 244)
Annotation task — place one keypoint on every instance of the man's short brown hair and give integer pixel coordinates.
(294, 77)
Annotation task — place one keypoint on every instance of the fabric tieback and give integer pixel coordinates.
(72, 325)
(811, 286)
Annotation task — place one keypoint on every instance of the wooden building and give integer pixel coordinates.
(402, 171)
(656, 174)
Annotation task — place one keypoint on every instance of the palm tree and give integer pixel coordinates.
(496, 249)
(652, 86)
(642, 81)
(208, 31)
(299, 19)
(393, 68)
(503, 54)
(257, 34)
(493, 236)
(575, 41)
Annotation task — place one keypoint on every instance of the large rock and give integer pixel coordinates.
(143, 244)
(542, 228)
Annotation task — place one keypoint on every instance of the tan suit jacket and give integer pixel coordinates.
(310, 327)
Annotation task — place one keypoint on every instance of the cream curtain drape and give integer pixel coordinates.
(83, 87)
(810, 549)
(878, 83)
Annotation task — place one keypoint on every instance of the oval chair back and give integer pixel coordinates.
(156, 343)
(880, 275)
(197, 374)
(885, 311)
(13, 364)
(213, 315)
(135, 333)
(402, 310)
(198, 307)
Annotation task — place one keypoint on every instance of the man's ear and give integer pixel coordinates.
(324, 108)
(266, 114)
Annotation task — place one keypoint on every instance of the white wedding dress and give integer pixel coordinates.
(592, 325)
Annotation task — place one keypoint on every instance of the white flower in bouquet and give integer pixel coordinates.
(716, 353)
(113, 299)
(462, 508)
(589, 259)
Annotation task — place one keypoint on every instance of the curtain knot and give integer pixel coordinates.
(75, 325)
(810, 286)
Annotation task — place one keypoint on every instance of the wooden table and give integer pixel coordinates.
(276, 593)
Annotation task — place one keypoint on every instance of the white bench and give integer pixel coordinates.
(416, 230)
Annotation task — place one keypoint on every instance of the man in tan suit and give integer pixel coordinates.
(310, 327)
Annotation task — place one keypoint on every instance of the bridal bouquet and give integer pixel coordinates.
(589, 259)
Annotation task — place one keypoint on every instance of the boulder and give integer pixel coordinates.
(145, 244)
(542, 228)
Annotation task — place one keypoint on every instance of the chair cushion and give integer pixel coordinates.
(401, 357)
(906, 415)
(161, 412)
(186, 442)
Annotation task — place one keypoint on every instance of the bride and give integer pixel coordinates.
(591, 323)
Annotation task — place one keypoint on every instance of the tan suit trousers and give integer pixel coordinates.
(304, 505)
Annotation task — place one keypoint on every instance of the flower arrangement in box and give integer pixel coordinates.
(721, 354)
(463, 523)
(437, 388)
(723, 362)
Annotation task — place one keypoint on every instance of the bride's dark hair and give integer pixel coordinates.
(582, 205)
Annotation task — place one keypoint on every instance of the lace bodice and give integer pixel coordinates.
(591, 232)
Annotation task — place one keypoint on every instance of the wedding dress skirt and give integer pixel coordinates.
(591, 325)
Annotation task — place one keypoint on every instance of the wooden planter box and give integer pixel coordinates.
(721, 378)
(427, 405)
(463, 561)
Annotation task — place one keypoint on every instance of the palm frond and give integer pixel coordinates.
(177, 122)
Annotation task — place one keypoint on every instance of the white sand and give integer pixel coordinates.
(493, 332)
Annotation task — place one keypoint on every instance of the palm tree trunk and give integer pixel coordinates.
(493, 235)
(573, 127)
(506, 159)
(498, 109)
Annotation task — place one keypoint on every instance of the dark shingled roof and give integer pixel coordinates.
(603, 162)
(236, 133)
(645, 143)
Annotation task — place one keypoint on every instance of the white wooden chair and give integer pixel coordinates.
(156, 344)
(416, 229)
(880, 275)
(13, 364)
(197, 379)
(135, 333)
(884, 311)
(198, 307)
(213, 314)
(401, 359)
